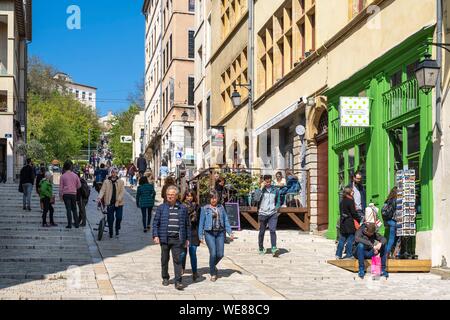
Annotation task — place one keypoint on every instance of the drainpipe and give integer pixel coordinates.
(439, 62)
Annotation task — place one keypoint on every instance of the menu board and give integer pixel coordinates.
(232, 210)
(405, 214)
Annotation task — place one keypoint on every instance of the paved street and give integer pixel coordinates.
(34, 262)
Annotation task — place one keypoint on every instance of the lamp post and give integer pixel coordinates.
(89, 144)
(237, 101)
(185, 116)
(427, 73)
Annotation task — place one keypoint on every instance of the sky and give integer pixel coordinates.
(107, 52)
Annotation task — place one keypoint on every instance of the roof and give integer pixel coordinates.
(23, 10)
(145, 6)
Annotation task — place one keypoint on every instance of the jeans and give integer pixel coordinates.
(27, 189)
(146, 216)
(392, 235)
(175, 246)
(82, 209)
(70, 201)
(215, 240)
(270, 221)
(348, 238)
(362, 254)
(192, 255)
(118, 217)
(47, 207)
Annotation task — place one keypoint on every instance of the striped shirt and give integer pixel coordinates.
(174, 222)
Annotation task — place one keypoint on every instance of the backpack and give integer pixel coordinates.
(388, 210)
(85, 190)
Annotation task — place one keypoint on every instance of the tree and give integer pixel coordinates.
(137, 97)
(122, 125)
(33, 149)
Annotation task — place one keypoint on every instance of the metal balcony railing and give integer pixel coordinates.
(401, 100)
(342, 134)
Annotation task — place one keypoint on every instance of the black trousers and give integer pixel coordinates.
(82, 209)
(47, 207)
(70, 200)
(176, 247)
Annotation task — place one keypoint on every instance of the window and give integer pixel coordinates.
(77, 93)
(90, 96)
(191, 84)
(231, 13)
(191, 44)
(170, 48)
(3, 101)
(189, 137)
(191, 5)
(208, 113)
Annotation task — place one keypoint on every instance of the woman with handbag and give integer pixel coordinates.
(348, 224)
(48, 199)
(388, 213)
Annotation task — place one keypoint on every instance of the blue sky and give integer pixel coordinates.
(107, 52)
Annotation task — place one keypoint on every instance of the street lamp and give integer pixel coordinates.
(185, 116)
(236, 98)
(427, 73)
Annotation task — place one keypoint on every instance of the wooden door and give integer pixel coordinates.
(322, 184)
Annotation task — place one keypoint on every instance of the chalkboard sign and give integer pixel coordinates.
(234, 217)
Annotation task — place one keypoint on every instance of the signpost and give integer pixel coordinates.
(126, 139)
(8, 136)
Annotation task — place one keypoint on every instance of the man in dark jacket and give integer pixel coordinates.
(26, 181)
(82, 200)
(359, 194)
(369, 243)
(171, 231)
(142, 165)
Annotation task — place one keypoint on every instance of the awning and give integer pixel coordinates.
(279, 117)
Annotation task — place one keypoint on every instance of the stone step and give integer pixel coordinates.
(38, 228)
(48, 259)
(51, 247)
(53, 237)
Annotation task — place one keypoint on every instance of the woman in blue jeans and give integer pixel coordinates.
(212, 227)
(189, 200)
(388, 213)
(347, 224)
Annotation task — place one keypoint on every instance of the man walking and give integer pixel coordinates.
(142, 165)
(171, 231)
(82, 199)
(26, 181)
(68, 186)
(268, 205)
(359, 194)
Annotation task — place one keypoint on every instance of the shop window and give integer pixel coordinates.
(396, 137)
(351, 163)
(341, 172)
(413, 138)
(362, 162)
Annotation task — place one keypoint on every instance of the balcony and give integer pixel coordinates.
(401, 100)
(343, 135)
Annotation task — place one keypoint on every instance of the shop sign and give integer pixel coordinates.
(355, 112)
(218, 136)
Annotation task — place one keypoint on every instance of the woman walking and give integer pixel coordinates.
(169, 181)
(47, 198)
(347, 224)
(212, 227)
(112, 194)
(189, 202)
(388, 213)
(145, 200)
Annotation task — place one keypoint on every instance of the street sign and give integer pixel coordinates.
(8, 136)
(126, 139)
(179, 155)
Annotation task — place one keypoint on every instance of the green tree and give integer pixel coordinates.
(122, 125)
(33, 149)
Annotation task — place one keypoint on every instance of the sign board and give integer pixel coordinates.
(126, 139)
(300, 130)
(8, 136)
(234, 218)
(217, 136)
(179, 155)
(405, 214)
(354, 112)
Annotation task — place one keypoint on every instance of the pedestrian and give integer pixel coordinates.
(212, 228)
(359, 194)
(83, 195)
(170, 181)
(131, 174)
(163, 173)
(145, 200)
(221, 190)
(190, 202)
(347, 229)
(142, 164)
(388, 215)
(112, 194)
(48, 199)
(280, 183)
(39, 178)
(100, 176)
(171, 231)
(26, 183)
(369, 243)
(68, 187)
(268, 206)
(91, 173)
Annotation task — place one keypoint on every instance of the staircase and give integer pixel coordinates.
(29, 251)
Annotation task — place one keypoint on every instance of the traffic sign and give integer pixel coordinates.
(179, 155)
(8, 136)
(126, 139)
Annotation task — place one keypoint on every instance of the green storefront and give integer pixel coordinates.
(399, 135)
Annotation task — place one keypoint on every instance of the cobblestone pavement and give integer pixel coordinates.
(129, 267)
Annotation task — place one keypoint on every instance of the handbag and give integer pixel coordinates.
(371, 216)
(20, 188)
(357, 225)
(375, 268)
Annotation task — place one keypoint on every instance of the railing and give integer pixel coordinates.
(401, 100)
(342, 134)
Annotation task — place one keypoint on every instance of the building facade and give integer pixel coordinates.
(138, 135)
(15, 34)
(169, 90)
(87, 95)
